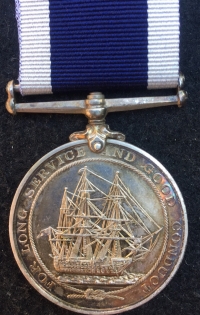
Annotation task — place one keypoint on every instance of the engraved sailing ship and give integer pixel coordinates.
(100, 233)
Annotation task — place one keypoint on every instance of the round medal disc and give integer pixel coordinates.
(98, 233)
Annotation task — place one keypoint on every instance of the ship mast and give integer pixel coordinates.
(115, 238)
(82, 247)
(107, 228)
(110, 228)
(59, 243)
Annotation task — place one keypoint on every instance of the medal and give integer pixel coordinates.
(97, 225)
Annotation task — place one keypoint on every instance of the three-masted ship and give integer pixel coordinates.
(100, 233)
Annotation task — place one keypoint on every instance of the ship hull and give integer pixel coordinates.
(113, 267)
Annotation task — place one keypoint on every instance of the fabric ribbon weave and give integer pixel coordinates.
(95, 45)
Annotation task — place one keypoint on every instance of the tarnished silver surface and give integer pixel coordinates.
(79, 106)
(95, 108)
(97, 131)
(98, 233)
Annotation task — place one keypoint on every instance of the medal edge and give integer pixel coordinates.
(46, 293)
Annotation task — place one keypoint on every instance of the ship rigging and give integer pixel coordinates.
(100, 233)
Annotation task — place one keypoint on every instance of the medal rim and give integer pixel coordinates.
(57, 300)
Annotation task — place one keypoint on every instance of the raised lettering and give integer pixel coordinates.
(106, 151)
(29, 192)
(154, 280)
(118, 153)
(176, 226)
(157, 178)
(35, 268)
(60, 161)
(162, 272)
(43, 174)
(42, 277)
(35, 182)
(22, 214)
(69, 155)
(173, 250)
(176, 237)
(21, 227)
(166, 189)
(148, 168)
(80, 151)
(168, 261)
(51, 165)
(146, 288)
(49, 285)
(130, 157)
(170, 200)
(23, 239)
(26, 250)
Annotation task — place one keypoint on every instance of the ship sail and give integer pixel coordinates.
(98, 232)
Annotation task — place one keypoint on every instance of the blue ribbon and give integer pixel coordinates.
(98, 44)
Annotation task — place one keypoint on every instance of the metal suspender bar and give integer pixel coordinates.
(79, 106)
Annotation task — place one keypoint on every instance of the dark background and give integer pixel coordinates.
(170, 134)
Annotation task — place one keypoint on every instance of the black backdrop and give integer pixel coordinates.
(170, 134)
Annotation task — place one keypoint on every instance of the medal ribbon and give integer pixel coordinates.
(95, 45)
